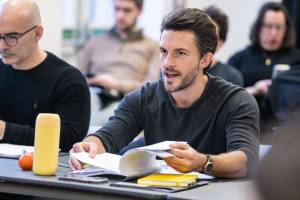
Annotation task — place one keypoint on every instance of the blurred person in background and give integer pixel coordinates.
(34, 81)
(273, 42)
(281, 101)
(225, 71)
(278, 177)
(120, 61)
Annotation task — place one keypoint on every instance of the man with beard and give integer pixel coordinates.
(120, 61)
(218, 120)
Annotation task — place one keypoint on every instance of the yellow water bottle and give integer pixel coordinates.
(46, 144)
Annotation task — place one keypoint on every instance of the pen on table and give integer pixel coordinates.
(63, 165)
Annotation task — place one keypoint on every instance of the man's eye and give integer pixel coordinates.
(163, 52)
(181, 53)
(10, 37)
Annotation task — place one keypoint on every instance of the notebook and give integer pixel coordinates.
(169, 180)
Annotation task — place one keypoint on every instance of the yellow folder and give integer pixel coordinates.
(169, 180)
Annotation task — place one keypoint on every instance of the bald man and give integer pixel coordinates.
(34, 81)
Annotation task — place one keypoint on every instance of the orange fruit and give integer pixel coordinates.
(25, 161)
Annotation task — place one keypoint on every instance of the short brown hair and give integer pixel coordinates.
(196, 21)
(139, 3)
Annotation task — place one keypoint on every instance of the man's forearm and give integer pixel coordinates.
(230, 165)
(97, 141)
(2, 129)
(128, 86)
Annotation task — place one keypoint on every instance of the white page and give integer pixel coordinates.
(162, 146)
(165, 169)
(14, 151)
(105, 160)
(160, 149)
(138, 162)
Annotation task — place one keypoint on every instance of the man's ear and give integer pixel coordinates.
(206, 60)
(39, 32)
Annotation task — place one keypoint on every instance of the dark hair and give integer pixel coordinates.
(138, 3)
(220, 18)
(289, 39)
(196, 21)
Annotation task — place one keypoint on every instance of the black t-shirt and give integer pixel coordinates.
(51, 87)
(224, 118)
(252, 62)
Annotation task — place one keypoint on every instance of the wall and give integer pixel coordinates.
(241, 15)
(50, 13)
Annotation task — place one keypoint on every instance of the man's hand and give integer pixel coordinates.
(2, 129)
(89, 147)
(260, 88)
(104, 80)
(185, 159)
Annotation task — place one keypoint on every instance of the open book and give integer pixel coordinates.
(135, 162)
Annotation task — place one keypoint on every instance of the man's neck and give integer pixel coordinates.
(32, 61)
(185, 98)
(128, 35)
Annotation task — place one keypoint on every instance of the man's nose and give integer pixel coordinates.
(120, 14)
(169, 61)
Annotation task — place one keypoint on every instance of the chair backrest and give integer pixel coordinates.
(284, 94)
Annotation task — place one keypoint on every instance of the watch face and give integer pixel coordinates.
(209, 167)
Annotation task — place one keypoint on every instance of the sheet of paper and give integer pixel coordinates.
(160, 149)
(161, 146)
(138, 162)
(106, 160)
(94, 171)
(165, 169)
(14, 151)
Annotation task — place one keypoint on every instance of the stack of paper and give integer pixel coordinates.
(134, 163)
(14, 151)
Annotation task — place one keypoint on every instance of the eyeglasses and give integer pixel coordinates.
(12, 39)
(277, 27)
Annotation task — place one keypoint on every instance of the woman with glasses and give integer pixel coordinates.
(272, 48)
(272, 42)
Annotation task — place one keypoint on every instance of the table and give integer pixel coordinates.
(14, 180)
